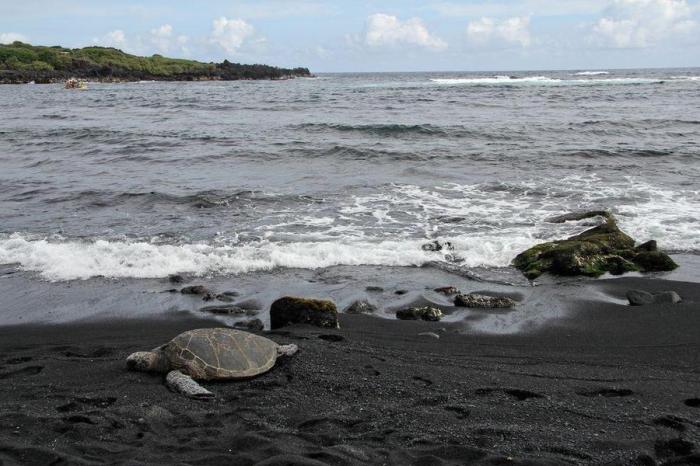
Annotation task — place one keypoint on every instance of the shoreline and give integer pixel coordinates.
(604, 383)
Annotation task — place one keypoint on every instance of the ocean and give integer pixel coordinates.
(228, 179)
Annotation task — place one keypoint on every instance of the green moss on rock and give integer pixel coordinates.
(604, 248)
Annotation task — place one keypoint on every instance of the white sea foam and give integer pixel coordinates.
(539, 81)
(591, 73)
(487, 224)
(70, 260)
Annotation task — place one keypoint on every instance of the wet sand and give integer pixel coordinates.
(605, 383)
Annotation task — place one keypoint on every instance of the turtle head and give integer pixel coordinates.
(147, 361)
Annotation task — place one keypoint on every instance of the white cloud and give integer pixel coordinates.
(230, 34)
(10, 37)
(505, 8)
(642, 23)
(115, 38)
(387, 30)
(510, 31)
(164, 41)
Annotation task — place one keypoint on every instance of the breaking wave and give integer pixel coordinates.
(540, 81)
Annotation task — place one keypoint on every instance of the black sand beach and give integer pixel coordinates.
(604, 384)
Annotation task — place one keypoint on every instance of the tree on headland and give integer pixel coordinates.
(20, 62)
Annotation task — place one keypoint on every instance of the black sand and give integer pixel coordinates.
(606, 384)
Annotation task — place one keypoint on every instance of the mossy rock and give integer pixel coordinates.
(604, 248)
(292, 310)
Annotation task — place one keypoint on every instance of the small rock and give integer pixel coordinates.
(375, 289)
(447, 290)
(639, 297)
(255, 325)
(176, 278)
(482, 301)
(429, 334)
(667, 297)
(428, 313)
(437, 246)
(252, 312)
(224, 298)
(199, 290)
(361, 307)
(223, 310)
(649, 246)
(233, 294)
(294, 310)
(400, 292)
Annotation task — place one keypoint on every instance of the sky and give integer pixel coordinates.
(375, 35)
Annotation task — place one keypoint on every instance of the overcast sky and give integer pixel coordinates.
(375, 35)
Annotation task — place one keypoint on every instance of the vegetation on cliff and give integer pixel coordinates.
(21, 63)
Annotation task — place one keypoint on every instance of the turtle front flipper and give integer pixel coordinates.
(287, 350)
(181, 383)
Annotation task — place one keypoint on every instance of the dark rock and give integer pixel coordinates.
(224, 298)
(293, 310)
(639, 297)
(604, 248)
(667, 297)
(437, 246)
(428, 313)
(654, 261)
(224, 310)
(361, 307)
(254, 325)
(400, 292)
(232, 294)
(176, 278)
(250, 304)
(649, 246)
(482, 301)
(375, 289)
(199, 290)
(575, 216)
(447, 290)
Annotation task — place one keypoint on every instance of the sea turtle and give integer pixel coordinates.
(209, 354)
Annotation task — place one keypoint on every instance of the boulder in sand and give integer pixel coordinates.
(294, 310)
(642, 298)
(483, 301)
(604, 248)
(431, 314)
(361, 307)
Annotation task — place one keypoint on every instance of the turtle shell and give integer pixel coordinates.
(220, 353)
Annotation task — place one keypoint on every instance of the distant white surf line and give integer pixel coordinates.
(73, 260)
(591, 73)
(539, 81)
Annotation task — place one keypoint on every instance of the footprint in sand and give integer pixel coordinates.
(692, 402)
(608, 393)
(29, 370)
(518, 394)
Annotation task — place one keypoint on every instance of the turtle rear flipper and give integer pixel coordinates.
(181, 383)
